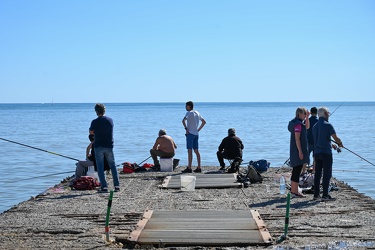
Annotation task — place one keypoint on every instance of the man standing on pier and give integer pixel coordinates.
(102, 128)
(322, 133)
(192, 128)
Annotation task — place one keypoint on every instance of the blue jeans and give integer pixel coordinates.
(323, 163)
(100, 153)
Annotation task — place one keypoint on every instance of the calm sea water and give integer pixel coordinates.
(63, 129)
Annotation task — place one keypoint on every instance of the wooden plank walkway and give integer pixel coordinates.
(204, 181)
(201, 228)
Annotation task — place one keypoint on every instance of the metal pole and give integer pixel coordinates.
(107, 217)
(283, 237)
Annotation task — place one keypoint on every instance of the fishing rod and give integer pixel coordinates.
(144, 160)
(354, 153)
(335, 109)
(39, 149)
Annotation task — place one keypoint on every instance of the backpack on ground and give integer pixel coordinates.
(260, 165)
(253, 175)
(306, 180)
(128, 168)
(86, 183)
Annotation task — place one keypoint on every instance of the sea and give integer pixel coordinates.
(40, 142)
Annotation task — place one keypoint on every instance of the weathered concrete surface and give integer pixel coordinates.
(70, 219)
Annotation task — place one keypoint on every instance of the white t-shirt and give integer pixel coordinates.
(192, 121)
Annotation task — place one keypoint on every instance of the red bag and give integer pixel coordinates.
(86, 183)
(147, 165)
(127, 168)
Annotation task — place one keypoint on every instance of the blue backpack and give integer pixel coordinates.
(261, 165)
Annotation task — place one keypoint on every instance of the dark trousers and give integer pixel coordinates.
(155, 153)
(323, 164)
(221, 156)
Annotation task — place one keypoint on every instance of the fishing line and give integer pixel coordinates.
(353, 171)
(40, 176)
(39, 149)
(354, 153)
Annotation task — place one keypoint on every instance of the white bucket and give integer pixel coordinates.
(188, 182)
(166, 164)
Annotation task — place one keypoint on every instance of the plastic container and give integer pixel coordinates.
(282, 185)
(91, 172)
(188, 182)
(166, 164)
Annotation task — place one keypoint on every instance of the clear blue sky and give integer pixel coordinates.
(175, 51)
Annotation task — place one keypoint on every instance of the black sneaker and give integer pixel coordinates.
(316, 198)
(187, 170)
(222, 168)
(198, 170)
(328, 198)
(117, 189)
(103, 190)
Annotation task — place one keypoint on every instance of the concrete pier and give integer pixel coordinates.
(69, 219)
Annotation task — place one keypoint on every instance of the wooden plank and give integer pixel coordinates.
(204, 181)
(202, 227)
(199, 214)
(134, 236)
(202, 237)
(208, 185)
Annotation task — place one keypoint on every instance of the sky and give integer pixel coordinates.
(88, 51)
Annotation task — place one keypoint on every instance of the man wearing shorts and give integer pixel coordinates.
(191, 124)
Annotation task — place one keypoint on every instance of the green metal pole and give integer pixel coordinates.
(107, 217)
(287, 215)
(283, 237)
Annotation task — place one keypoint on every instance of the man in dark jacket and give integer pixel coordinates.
(313, 119)
(230, 148)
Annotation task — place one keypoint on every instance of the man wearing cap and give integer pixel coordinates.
(230, 148)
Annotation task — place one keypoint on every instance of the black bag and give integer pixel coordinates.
(253, 175)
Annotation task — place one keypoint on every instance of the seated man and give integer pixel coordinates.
(164, 147)
(82, 166)
(230, 148)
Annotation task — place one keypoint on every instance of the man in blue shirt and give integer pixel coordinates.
(102, 128)
(322, 133)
